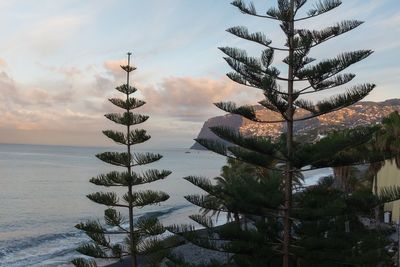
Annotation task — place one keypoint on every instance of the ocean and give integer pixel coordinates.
(43, 195)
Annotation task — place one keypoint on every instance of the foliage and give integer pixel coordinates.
(251, 197)
(141, 236)
(245, 195)
(331, 232)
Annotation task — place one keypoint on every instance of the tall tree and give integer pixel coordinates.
(286, 100)
(141, 235)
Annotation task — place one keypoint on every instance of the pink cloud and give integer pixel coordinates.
(192, 98)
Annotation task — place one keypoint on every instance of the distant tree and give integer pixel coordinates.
(141, 235)
(386, 143)
(383, 145)
(258, 73)
(331, 232)
(345, 178)
(388, 139)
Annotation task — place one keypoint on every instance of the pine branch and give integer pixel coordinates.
(201, 182)
(121, 159)
(327, 68)
(241, 79)
(252, 157)
(245, 111)
(232, 153)
(131, 103)
(275, 102)
(145, 158)
(151, 176)
(257, 37)
(267, 57)
(91, 226)
(321, 7)
(181, 229)
(337, 80)
(337, 102)
(149, 226)
(144, 198)
(138, 136)
(282, 12)
(205, 221)
(254, 76)
(135, 137)
(126, 90)
(128, 68)
(248, 9)
(127, 118)
(320, 36)
(105, 198)
(113, 178)
(116, 136)
(242, 32)
(259, 144)
(207, 202)
(242, 57)
(114, 218)
(149, 246)
(299, 4)
(213, 145)
(328, 149)
(94, 231)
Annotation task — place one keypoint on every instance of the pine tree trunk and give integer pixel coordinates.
(377, 215)
(289, 143)
(131, 228)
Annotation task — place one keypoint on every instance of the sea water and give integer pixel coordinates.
(43, 195)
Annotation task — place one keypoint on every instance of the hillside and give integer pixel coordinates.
(362, 113)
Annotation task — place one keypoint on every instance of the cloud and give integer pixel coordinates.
(48, 36)
(187, 98)
(27, 107)
(3, 62)
(113, 67)
(53, 33)
(64, 70)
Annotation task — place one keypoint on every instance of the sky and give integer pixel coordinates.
(59, 63)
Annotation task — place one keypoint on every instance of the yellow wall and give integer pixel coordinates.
(389, 175)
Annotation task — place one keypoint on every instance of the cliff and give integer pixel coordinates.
(362, 113)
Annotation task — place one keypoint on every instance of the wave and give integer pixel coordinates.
(55, 248)
(164, 212)
(20, 244)
(33, 250)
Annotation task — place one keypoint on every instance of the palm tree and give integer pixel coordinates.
(345, 179)
(388, 139)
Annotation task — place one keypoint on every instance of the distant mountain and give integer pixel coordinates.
(232, 121)
(362, 113)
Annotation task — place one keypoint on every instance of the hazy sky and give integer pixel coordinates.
(59, 61)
